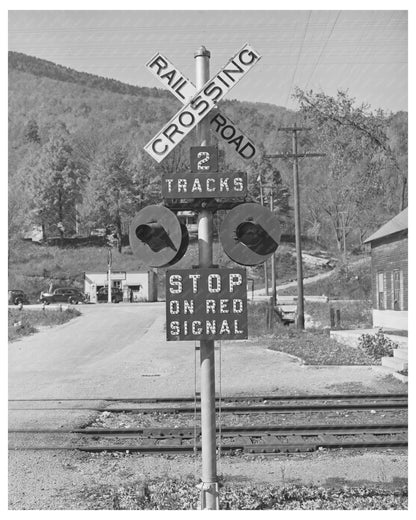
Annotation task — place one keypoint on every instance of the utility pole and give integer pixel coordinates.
(266, 278)
(109, 263)
(273, 257)
(209, 484)
(295, 156)
(344, 236)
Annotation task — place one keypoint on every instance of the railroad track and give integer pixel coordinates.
(263, 403)
(262, 438)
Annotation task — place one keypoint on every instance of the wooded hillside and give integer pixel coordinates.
(76, 159)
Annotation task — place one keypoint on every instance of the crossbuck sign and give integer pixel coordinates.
(199, 104)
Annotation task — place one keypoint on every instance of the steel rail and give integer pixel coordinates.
(245, 446)
(223, 399)
(254, 440)
(276, 408)
(163, 432)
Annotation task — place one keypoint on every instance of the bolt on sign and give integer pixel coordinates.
(197, 186)
(206, 304)
(201, 102)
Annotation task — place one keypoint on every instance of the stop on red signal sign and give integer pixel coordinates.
(206, 304)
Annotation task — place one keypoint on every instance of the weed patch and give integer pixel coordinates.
(317, 348)
(24, 322)
(182, 494)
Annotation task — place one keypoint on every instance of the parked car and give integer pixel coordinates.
(62, 295)
(17, 296)
(116, 295)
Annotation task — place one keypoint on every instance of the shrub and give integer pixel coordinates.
(376, 345)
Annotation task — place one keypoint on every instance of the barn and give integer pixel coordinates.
(389, 273)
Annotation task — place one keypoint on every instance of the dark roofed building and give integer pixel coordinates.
(389, 272)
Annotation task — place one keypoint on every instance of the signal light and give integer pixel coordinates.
(250, 234)
(157, 237)
(154, 235)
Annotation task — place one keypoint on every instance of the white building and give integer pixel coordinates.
(136, 287)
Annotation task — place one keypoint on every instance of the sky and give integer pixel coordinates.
(362, 51)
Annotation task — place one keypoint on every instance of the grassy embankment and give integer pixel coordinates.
(349, 281)
(33, 267)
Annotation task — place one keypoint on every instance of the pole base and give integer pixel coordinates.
(209, 495)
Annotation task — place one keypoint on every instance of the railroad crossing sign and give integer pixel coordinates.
(201, 103)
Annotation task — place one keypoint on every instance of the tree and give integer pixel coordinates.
(110, 195)
(54, 181)
(31, 133)
(358, 154)
(397, 133)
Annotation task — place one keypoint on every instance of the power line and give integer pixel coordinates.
(197, 29)
(322, 50)
(297, 62)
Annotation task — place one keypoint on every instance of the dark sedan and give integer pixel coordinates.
(62, 295)
(116, 295)
(17, 296)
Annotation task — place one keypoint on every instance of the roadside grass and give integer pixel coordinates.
(24, 322)
(314, 346)
(182, 494)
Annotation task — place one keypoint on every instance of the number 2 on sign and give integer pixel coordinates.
(203, 159)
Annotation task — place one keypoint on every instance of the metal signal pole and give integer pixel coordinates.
(299, 270)
(209, 484)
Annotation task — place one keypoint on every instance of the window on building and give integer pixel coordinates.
(396, 291)
(380, 291)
